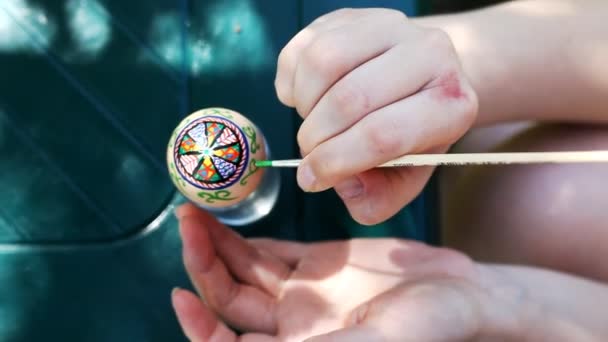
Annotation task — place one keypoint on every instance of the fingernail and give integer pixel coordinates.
(175, 290)
(306, 178)
(349, 188)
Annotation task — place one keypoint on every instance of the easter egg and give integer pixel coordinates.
(211, 157)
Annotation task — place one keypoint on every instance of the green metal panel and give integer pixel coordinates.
(86, 108)
(84, 125)
(117, 291)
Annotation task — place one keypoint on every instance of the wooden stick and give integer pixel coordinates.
(454, 159)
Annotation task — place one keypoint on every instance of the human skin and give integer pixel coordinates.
(533, 60)
(541, 87)
(362, 107)
(528, 61)
(364, 104)
(371, 290)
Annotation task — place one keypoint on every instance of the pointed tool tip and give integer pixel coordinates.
(263, 163)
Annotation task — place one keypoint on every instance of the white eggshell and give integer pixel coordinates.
(211, 157)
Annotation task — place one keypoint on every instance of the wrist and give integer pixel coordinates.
(503, 309)
(510, 311)
(483, 66)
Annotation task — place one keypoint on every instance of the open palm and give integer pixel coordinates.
(287, 291)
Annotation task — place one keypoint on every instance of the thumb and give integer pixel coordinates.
(376, 195)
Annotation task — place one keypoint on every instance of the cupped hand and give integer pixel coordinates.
(372, 86)
(358, 290)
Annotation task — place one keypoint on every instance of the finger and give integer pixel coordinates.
(378, 194)
(354, 334)
(245, 307)
(369, 87)
(429, 119)
(197, 322)
(244, 261)
(288, 57)
(332, 54)
(288, 251)
(403, 258)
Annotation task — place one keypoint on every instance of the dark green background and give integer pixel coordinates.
(89, 93)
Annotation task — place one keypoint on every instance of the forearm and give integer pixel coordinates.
(543, 305)
(541, 60)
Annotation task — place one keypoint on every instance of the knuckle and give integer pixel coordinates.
(470, 106)
(283, 92)
(303, 142)
(467, 113)
(343, 12)
(438, 39)
(282, 84)
(227, 301)
(349, 99)
(323, 56)
(283, 61)
(324, 167)
(222, 303)
(384, 141)
(286, 62)
(396, 16)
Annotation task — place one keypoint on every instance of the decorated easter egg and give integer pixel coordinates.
(211, 157)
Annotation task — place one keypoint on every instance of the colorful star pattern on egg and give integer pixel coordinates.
(210, 152)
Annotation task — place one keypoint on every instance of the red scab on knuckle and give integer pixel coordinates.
(449, 86)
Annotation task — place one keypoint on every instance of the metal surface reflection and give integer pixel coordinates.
(24, 28)
(89, 24)
(230, 36)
